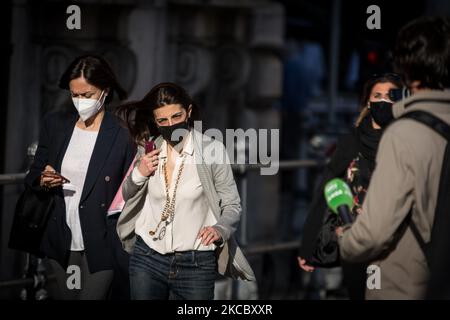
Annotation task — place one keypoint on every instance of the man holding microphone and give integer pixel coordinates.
(399, 208)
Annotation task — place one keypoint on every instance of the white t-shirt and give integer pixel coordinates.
(74, 167)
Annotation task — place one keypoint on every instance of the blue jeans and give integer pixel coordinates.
(180, 275)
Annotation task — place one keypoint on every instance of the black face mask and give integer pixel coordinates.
(381, 112)
(167, 131)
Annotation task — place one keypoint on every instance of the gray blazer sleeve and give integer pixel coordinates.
(230, 202)
(129, 188)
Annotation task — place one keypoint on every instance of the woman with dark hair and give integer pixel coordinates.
(353, 161)
(182, 206)
(82, 157)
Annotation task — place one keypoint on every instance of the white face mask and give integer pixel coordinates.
(88, 107)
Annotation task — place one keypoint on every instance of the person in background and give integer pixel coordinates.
(353, 161)
(82, 157)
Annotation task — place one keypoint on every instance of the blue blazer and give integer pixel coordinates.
(111, 158)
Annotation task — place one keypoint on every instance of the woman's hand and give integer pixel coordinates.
(304, 266)
(339, 231)
(49, 179)
(149, 163)
(208, 235)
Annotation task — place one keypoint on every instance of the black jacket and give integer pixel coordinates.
(316, 254)
(112, 156)
(355, 152)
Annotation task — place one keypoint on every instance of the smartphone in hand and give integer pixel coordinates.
(54, 174)
(149, 146)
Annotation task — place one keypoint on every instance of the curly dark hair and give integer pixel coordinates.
(422, 52)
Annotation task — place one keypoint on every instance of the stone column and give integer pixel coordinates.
(22, 128)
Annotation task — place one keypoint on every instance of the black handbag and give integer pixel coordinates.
(31, 215)
(326, 254)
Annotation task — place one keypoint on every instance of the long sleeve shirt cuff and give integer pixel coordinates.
(221, 242)
(137, 177)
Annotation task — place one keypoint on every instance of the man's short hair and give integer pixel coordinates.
(422, 52)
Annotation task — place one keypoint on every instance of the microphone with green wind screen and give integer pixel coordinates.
(339, 199)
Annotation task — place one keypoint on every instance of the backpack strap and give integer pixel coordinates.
(430, 121)
(442, 204)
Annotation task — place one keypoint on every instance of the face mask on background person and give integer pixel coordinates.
(88, 107)
(381, 112)
(167, 132)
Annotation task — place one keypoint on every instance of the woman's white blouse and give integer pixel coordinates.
(74, 167)
(192, 211)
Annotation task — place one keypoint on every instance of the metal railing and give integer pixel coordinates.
(13, 178)
(241, 170)
(23, 282)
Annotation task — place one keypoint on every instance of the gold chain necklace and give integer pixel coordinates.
(168, 213)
